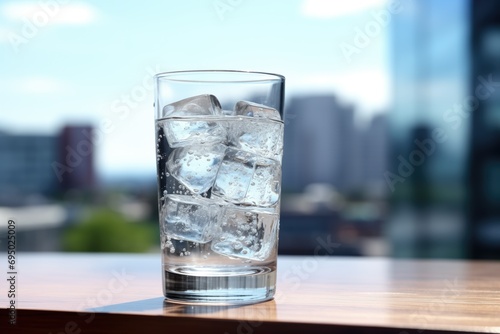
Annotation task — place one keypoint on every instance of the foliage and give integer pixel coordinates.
(108, 231)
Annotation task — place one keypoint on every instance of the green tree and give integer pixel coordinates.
(108, 231)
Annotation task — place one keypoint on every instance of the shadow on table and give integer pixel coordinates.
(157, 304)
(142, 305)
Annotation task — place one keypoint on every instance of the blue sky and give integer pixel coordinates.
(83, 58)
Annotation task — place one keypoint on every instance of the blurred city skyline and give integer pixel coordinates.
(87, 63)
(391, 114)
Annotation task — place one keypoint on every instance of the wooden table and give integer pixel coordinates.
(98, 293)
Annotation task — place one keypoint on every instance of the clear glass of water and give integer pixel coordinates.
(219, 146)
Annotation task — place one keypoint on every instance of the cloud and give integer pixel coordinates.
(77, 13)
(39, 85)
(329, 9)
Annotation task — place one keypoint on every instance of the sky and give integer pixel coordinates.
(75, 62)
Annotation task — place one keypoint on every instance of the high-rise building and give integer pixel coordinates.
(25, 165)
(76, 156)
(324, 145)
(430, 65)
(375, 154)
(319, 139)
(45, 164)
(484, 171)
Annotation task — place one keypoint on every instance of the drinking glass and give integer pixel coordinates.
(219, 146)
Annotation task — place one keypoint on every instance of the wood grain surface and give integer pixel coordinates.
(99, 293)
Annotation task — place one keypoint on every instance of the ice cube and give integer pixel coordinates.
(246, 178)
(251, 109)
(199, 105)
(190, 218)
(228, 112)
(183, 132)
(246, 232)
(265, 187)
(196, 166)
(260, 136)
(234, 176)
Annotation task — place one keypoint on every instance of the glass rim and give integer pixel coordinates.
(177, 76)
